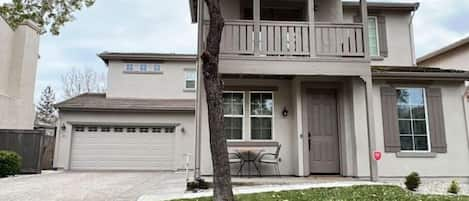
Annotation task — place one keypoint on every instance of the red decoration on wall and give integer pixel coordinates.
(378, 155)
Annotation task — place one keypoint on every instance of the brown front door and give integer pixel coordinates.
(323, 132)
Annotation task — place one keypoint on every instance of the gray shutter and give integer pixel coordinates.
(382, 34)
(390, 123)
(436, 120)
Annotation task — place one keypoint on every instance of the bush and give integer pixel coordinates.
(412, 181)
(454, 187)
(10, 163)
(197, 184)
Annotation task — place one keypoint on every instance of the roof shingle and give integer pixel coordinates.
(99, 102)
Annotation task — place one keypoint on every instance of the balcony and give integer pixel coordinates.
(291, 29)
(282, 38)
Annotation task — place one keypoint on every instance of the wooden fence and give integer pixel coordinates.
(31, 145)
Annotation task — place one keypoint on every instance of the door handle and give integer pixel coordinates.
(309, 141)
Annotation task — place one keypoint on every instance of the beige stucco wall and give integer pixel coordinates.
(399, 38)
(169, 84)
(451, 164)
(283, 131)
(455, 59)
(289, 132)
(184, 140)
(18, 64)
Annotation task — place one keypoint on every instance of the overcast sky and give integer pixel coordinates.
(164, 26)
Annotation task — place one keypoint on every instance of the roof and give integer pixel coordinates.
(371, 5)
(443, 50)
(385, 5)
(136, 56)
(97, 102)
(418, 73)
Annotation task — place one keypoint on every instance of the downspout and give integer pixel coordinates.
(412, 44)
(466, 114)
(198, 112)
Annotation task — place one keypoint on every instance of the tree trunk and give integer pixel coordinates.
(214, 92)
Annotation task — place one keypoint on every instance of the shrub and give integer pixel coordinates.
(10, 163)
(197, 184)
(412, 181)
(454, 187)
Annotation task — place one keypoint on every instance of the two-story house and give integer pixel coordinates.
(144, 121)
(333, 82)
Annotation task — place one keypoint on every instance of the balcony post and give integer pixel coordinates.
(364, 15)
(312, 30)
(257, 25)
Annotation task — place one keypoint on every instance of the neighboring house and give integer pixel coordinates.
(348, 88)
(19, 52)
(145, 120)
(455, 55)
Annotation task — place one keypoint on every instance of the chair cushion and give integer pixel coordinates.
(268, 160)
(235, 160)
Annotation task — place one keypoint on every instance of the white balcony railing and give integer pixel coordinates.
(279, 38)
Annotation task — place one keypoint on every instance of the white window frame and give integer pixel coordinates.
(243, 117)
(143, 67)
(156, 68)
(261, 116)
(186, 71)
(377, 36)
(412, 125)
(129, 67)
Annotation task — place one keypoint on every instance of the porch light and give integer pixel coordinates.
(285, 112)
(63, 127)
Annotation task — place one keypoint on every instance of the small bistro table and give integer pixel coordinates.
(249, 152)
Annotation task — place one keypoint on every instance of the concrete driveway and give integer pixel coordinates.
(92, 186)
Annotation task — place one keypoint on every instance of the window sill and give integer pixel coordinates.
(136, 72)
(189, 90)
(377, 58)
(416, 155)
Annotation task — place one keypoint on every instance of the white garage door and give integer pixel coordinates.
(122, 148)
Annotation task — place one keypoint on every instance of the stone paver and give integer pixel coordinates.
(95, 186)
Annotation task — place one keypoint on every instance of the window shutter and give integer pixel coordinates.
(390, 123)
(436, 120)
(382, 34)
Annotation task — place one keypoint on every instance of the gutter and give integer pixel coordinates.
(421, 76)
(412, 41)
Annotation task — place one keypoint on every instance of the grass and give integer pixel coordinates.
(355, 193)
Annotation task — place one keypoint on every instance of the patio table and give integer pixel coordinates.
(249, 152)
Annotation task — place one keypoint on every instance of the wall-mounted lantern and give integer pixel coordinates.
(285, 112)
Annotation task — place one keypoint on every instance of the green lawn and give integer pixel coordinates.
(356, 193)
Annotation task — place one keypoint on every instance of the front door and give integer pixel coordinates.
(323, 131)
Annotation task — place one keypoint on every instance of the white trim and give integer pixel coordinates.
(424, 94)
(243, 119)
(186, 71)
(249, 116)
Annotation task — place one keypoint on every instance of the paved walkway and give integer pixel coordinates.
(90, 186)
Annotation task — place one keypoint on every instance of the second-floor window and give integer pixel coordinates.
(143, 67)
(190, 79)
(129, 67)
(373, 36)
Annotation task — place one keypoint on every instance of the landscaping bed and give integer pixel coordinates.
(355, 193)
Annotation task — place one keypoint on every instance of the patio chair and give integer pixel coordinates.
(271, 159)
(236, 158)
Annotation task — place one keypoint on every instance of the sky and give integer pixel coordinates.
(165, 27)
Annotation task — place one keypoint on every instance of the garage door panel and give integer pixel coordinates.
(122, 151)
